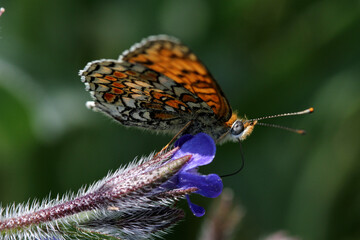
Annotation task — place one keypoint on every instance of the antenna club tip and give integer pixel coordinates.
(301, 132)
(311, 110)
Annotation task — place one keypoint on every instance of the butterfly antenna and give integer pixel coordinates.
(241, 166)
(298, 131)
(306, 111)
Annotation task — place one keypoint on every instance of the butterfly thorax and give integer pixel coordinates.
(232, 130)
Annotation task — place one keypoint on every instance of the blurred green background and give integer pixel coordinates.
(268, 56)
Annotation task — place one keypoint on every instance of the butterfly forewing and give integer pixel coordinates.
(168, 56)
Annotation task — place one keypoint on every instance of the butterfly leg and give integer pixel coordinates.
(175, 137)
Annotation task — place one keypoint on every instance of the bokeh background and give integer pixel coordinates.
(268, 56)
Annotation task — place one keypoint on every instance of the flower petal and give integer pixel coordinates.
(201, 147)
(196, 210)
(209, 185)
(184, 138)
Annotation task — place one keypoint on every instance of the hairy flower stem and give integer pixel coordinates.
(109, 192)
(83, 203)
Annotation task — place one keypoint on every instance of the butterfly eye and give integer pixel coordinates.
(237, 128)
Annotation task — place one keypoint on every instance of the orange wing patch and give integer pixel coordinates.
(118, 85)
(109, 97)
(119, 74)
(117, 91)
(176, 61)
(110, 78)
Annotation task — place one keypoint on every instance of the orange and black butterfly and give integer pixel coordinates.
(159, 84)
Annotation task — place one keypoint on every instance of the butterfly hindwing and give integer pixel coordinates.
(138, 96)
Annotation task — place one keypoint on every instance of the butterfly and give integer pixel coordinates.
(160, 84)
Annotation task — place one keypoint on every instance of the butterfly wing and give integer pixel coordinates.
(138, 96)
(168, 56)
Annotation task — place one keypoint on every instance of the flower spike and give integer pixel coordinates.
(135, 202)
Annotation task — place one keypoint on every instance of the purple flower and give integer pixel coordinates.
(202, 149)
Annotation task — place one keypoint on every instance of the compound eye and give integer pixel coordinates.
(237, 128)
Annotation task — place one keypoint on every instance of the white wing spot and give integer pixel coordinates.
(143, 84)
(180, 90)
(120, 108)
(139, 97)
(137, 116)
(87, 86)
(159, 86)
(147, 115)
(132, 85)
(166, 82)
(192, 104)
(120, 68)
(129, 102)
(102, 88)
(170, 109)
(138, 68)
(90, 105)
(105, 70)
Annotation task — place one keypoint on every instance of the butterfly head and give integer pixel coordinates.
(241, 129)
